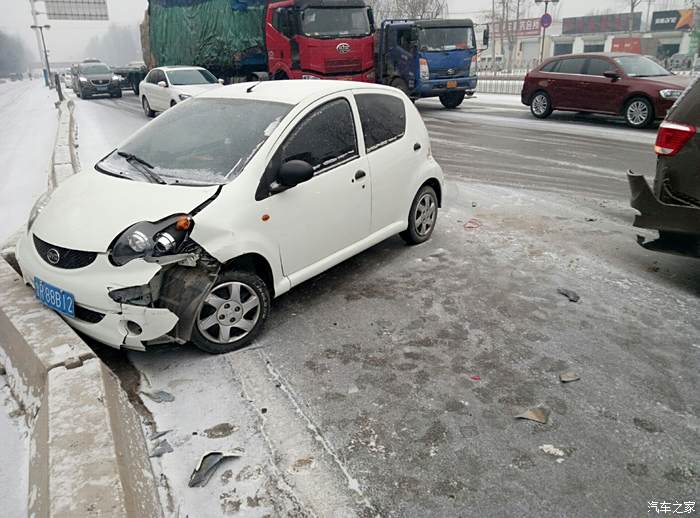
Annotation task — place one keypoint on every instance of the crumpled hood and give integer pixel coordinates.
(90, 209)
(196, 89)
(669, 82)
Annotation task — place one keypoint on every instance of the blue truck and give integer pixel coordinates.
(429, 58)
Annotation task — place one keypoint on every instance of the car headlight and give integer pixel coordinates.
(184, 97)
(40, 204)
(424, 70)
(116, 78)
(671, 94)
(82, 79)
(146, 239)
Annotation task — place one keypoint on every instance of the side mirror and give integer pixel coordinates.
(162, 84)
(220, 81)
(293, 173)
(487, 36)
(611, 74)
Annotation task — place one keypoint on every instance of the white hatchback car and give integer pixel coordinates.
(164, 87)
(190, 228)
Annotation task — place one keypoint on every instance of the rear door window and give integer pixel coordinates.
(325, 138)
(383, 119)
(572, 66)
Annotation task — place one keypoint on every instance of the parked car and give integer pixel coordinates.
(673, 206)
(95, 79)
(226, 201)
(164, 87)
(615, 83)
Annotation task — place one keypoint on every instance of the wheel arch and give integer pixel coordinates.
(535, 92)
(636, 95)
(255, 263)
(435, 184)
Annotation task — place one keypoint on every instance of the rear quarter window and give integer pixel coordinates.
(383, 119)
(687, 107)
(551, 67)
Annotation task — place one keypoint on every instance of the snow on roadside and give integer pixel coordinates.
(14, 446)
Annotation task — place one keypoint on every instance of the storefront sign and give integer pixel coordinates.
(681, 20)
(602, 24)
(519, 28)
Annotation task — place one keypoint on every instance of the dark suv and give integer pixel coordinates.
(96, 79)
(630, 85)
(673, 208)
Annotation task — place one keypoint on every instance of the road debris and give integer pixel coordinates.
(569, 294)
(160, 396)
(475, 377)
(569, 377)
(161, 448)
(158, 435)
(538, 414)
(208, 463)
(472, 224)
(549, 449)
(220, 430)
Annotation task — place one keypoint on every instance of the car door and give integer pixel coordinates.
(568, 91)
(147, 87)
(599, 93)
(161, 93)
(326, 215)
(391, 154)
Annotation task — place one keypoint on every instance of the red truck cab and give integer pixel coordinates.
(320, 39)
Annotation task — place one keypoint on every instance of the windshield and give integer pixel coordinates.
(202, 142)
(95, 69)
(439, 39)
(324, 22)
(640, 66)
(191, 76)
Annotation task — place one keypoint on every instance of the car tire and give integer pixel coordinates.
(452, 100)
(236, 297)
(118, 94)
(541, 105)
(420, 228)
(135, 87)
(639, 113)
(147, 108)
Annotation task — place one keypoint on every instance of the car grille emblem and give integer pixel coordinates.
(53, 256)
(343, 48)
(451, 72)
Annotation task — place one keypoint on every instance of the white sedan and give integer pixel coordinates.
(164, 87)
(188, 229)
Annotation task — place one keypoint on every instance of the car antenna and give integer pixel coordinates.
(252, 87)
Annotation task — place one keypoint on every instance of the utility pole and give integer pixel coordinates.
(493, 44)
(38, 43)
(544, 29)
(43, 43)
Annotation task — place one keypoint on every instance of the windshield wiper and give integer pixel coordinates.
(145, 169)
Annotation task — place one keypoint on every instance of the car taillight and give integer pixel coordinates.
(672, 137)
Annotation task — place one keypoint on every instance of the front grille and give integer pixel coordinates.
(99, 82)
(442, 73)
(335, 66)
(88, 315)
(67, 259)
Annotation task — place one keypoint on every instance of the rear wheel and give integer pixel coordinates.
(232, 313)
(452, 100)
(147, 108)
(541, 105)
(422, 218)
(639, 113)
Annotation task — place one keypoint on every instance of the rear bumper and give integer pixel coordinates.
(657, 215)
(435, 87)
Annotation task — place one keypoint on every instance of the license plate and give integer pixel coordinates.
(452, 84)
(54, 297)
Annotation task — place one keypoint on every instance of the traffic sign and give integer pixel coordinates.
(546, 20)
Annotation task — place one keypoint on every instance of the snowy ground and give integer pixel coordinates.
(389, 384)
(14, 461)
(28, 123)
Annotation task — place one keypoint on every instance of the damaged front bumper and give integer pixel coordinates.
(678, 225)
(112, 304)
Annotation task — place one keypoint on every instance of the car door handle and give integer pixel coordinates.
(417, 146)
(360, 175)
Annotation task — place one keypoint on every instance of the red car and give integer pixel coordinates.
(630, 85)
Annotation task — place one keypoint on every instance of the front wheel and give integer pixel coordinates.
(639, 113)
(232, 313)
(541, 105)
(147, 108)
(422, 218)
(452, 100)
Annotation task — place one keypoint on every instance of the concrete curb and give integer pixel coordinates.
(87, 452)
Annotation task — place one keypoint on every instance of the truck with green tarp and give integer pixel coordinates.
(258, 39)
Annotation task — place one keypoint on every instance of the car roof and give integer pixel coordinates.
(179, 67)
(292, 91)
(598, 55)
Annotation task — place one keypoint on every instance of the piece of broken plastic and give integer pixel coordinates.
(569, 294)
(538, 414)
(569, 377)
(208, 463)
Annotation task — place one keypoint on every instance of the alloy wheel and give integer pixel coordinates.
(540, 104)
(637, 113)
(425, 215)
(229, 313)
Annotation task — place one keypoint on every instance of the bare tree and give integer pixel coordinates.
(633, 7)
(423, 9)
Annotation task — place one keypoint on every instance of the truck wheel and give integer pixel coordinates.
(147, 108)
(422, 218)
(232, 314)
(452, 100)
(639, 113)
